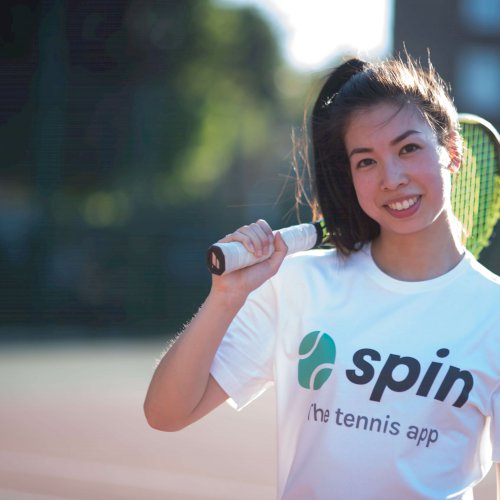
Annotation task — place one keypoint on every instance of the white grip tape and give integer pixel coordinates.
(297, 238)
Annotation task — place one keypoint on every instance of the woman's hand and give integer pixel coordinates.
(257, 238)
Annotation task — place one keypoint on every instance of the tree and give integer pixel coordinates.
(142, 112)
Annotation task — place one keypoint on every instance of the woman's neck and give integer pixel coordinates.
(417, 258)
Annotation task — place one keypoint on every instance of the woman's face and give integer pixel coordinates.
(400, 173)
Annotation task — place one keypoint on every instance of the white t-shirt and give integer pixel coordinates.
(385, 389)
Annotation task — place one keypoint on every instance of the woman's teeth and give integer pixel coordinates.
(403, 205)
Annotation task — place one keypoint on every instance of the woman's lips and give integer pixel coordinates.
(404, 207)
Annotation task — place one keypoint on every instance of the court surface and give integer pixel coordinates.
(72, 427)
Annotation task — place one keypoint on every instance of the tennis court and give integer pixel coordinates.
(72, 427)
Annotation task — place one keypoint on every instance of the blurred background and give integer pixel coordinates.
(133, 134)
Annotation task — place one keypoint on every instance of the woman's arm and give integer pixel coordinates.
(498, 481)
(182, 389)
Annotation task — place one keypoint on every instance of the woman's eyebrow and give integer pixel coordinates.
(395, 141)
(403, 136)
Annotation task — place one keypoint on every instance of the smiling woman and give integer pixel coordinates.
(394, 331)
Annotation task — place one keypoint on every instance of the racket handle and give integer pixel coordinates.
(227, 257)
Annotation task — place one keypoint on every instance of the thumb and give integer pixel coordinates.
(280, 251)
(280, 246)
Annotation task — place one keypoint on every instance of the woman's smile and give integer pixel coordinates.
(404, 207)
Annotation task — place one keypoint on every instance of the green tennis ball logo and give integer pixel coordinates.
(316, 359)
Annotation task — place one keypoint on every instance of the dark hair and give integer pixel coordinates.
(353, 86)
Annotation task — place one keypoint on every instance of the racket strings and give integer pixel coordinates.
(476, 188)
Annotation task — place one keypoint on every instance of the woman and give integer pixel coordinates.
(384, 352)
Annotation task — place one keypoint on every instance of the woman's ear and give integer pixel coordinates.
(455, 150)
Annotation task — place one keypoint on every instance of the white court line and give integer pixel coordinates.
(121, 475)
(16, 495)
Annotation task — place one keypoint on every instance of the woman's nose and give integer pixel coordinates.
(393, 175)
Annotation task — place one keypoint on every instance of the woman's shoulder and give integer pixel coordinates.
(305, 261)
(482, 273)
(480, 285)
(325, 263)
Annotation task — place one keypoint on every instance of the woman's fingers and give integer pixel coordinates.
(256, 237)
(263, 237)
(247, 279)
(266, 235)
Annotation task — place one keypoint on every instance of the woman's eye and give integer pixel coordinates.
(409, 148)
(365, 162)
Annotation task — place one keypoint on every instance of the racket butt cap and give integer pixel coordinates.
(216, 261)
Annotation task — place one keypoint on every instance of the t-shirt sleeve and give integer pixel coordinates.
(495, 425)
(243, 365)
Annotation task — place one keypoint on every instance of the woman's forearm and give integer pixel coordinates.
(181, 378)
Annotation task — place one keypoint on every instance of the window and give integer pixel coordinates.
(481, 16)
(478, 80)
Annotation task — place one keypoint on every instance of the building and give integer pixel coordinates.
(463, 38)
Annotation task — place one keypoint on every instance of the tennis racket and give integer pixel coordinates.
(475, 198)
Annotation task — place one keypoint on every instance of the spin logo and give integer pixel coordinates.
(316, 359)
(317, 353)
